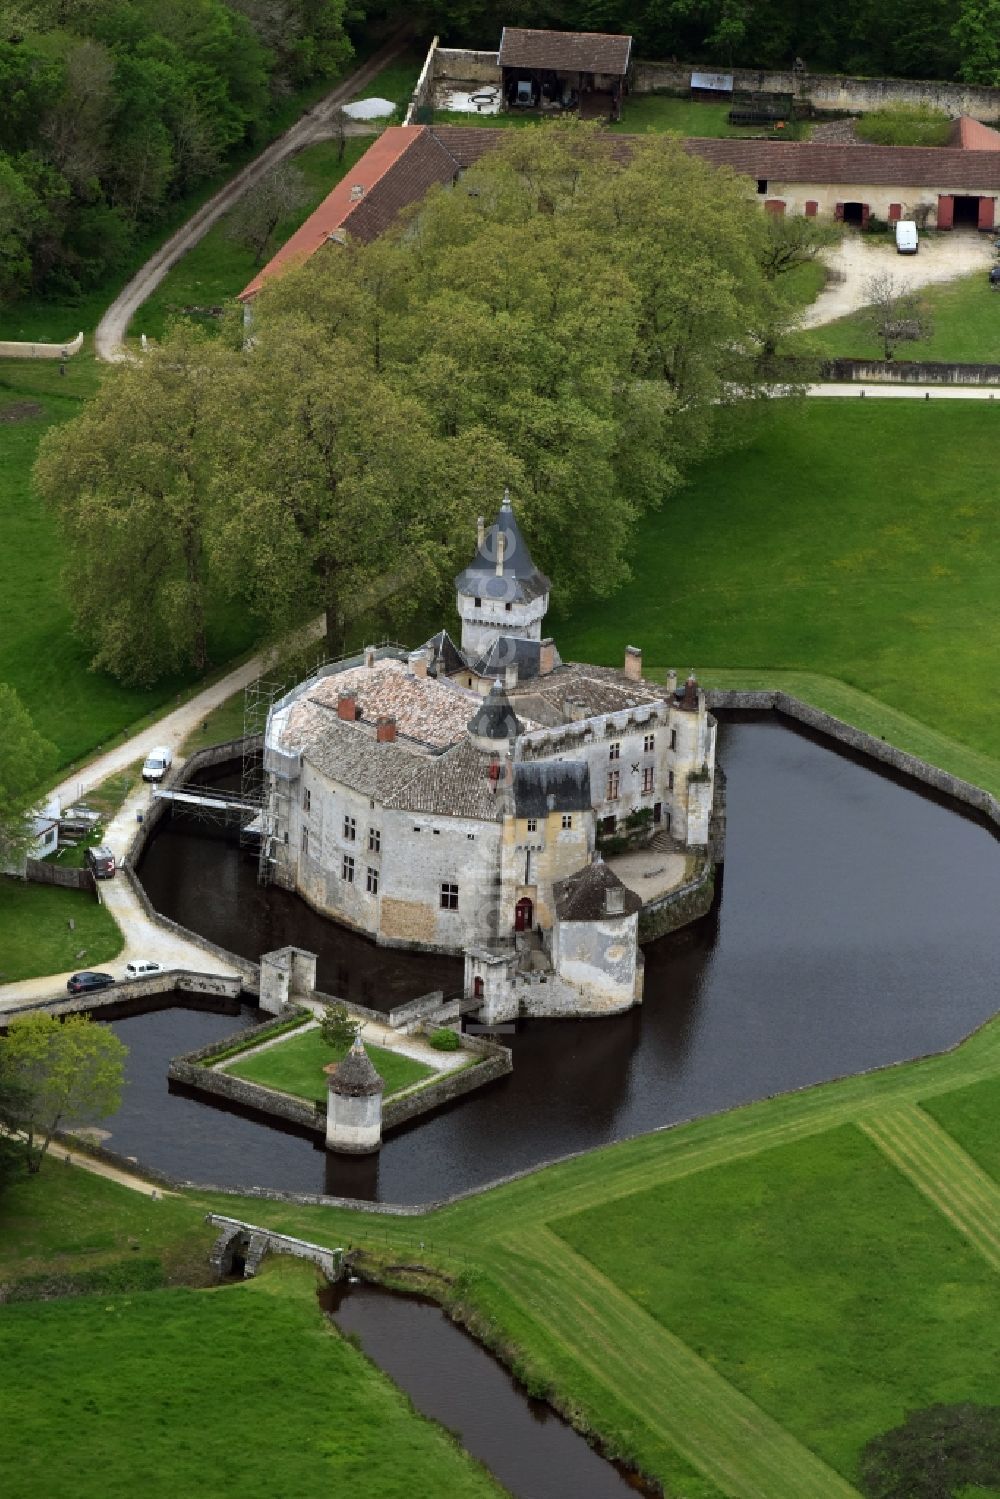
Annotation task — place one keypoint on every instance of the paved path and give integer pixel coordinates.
(315, 125)
(856, 257)
(856, 391)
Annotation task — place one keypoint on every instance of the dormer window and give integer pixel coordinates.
(477, 603)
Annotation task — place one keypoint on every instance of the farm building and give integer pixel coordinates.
(564, 69)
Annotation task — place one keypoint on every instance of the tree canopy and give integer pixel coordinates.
(24, 759)
(59, 1072)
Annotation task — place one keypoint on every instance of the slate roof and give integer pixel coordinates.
(495, 719)
(545, 786)
(520, 580)
(354, 1076)
(581, 897)
(397, 170)
(565, 51)
(511, 650)
(446, 656)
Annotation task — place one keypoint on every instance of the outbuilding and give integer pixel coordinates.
(585, 70)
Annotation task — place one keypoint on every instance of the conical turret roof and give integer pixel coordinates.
(519, 581)
(496, 719)
(354, 1076)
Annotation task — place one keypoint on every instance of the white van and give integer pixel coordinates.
(157, 763)
(140, 966)
(906, 237)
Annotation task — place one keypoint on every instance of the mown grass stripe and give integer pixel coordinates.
(659, 1377)
(939, 1168)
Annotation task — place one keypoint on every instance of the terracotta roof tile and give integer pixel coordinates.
(971, 135)
(565, 51)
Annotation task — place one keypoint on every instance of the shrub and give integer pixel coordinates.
(609, 847)
(904, 125)
(339, 1030)
(640, 818)
(445, 1040)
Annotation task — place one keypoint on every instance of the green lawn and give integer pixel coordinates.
(839, 1299)
(966, 317)
(972, 1116)
(641, 113)
(296, 1066)
(247, 1389)
(397, 81)
(855, 540)
(35, 937)
(217, 268)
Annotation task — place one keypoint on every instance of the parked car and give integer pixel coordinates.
(907, 239)
(140, 966)
(86, 982)
(995, 278)
(101, 862)
(157, 763)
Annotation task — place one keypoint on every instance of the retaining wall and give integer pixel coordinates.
(15, 350)
(909, 372)
(449, 1086)
(828, 92)
(188, 980)
(877, 749)
(679, 907)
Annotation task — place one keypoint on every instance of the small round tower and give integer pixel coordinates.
(494, 724)
(501, 592)
(354, 1103)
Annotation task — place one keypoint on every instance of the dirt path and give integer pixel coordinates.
(943, 258)
(315, 125)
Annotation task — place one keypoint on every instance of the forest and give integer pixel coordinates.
(112, 109)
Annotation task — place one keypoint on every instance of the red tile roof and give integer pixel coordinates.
(565, 51)
(397, 170)
(971, 135)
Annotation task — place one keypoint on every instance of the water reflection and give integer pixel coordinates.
(856, 926)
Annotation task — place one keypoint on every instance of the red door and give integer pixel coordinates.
(986, 208)
(523, 915)
(946, 212)
(477, 987)
(812, 208)
(774, 206)
(865, 212)
(838, 210)
(895, 212)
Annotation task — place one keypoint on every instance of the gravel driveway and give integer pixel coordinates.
(942, 257)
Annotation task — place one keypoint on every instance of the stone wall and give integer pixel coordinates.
(866, 744)
(906, 371)
(830, 93)
(14, 350)
(185, 980)
(494, 1062)
(250, 1095)
(687, 903)
(235, 1235)
(466, 65)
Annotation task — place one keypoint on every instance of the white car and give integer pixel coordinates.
(157, 763)
(139, 967)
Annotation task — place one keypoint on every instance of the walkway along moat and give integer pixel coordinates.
(856, 927)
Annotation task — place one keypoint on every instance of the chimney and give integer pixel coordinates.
(385, 729)
(418, 663)
(501, 540)
(633, 663)
(369, 656)
(671, 683)
(614, 901)
(481, 532)
(347, 706)
(546, 656)
(510, 676)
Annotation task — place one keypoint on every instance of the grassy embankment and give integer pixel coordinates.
(35, 933)
(739, 1304)
(296, 1066)
(966, 322)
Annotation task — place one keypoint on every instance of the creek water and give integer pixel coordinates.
(856, 927)
(530, 1449)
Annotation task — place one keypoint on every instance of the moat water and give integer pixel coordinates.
(857, 926)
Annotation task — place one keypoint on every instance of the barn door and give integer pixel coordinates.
(838, 210)
(775, 207)
(946, 212)
(986, 208)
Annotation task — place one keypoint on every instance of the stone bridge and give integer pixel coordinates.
(247, 1243)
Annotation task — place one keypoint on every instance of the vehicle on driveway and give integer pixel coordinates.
(101, 862)
(157, 763)
(138, 967)
(907, 240)
(88, 981)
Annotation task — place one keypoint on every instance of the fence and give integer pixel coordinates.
(40, 872)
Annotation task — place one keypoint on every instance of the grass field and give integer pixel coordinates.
(296, 1066)
(971, 1116)
(187, 1392)
(397, 81)
(737, 1304)
(218, 268)
(642, 113)
(830, 545)
(35, 937)
(966, 319)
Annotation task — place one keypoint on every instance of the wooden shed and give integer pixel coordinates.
(553, 70)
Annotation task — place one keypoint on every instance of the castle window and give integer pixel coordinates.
(350, 829)
(615, 750)
(673, 739)
(449, 897)
(508, 607)
(371, 882)
(670, 781)
(648, 743)
(478, 603)
(347, 869)
(532, 824)
(374, 840)
(647, 778)
(305, 840)
(567, 820)
(614, 777)
(306, 800)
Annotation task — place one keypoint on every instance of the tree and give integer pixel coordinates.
(14, 1105)
(894, 314)
(68, 1072)
(128, 481)
(24, 759)
(937, 1453)
(20, 214)
(977, 35)
(337, 1027)
(264, 206)
(793, 240)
